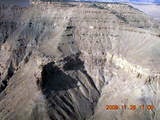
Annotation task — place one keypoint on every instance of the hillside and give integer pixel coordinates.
(67, 61)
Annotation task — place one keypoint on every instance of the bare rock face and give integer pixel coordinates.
(67, 61)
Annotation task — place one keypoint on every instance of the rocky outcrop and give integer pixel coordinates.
(70, 94)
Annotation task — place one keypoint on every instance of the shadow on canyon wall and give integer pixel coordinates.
(61, 83)
(53, 78)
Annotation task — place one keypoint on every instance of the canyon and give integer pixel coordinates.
(68, 60)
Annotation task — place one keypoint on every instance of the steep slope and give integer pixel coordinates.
(67, 61)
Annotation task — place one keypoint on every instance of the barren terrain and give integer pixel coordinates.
(67, 61)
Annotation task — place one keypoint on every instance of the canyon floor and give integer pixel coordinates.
(78, 61)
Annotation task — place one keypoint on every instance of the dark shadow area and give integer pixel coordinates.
(56, 83)
(4, 82)
(55, 79)
(73, 63)
(94, 5)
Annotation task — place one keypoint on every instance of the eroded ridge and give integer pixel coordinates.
(66, 61)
